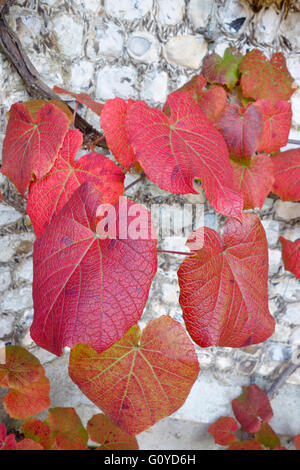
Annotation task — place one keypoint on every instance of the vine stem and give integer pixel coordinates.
(294, 141)
(282, 378)
(134, 182)
(175, 252)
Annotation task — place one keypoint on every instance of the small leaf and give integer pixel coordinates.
(101, 429)
(142, 378)
(287, 175)
(251, 405)
(254, 178)
(55, 189)
(28, 444)
(224, 285)
(222, 430)
(224, 71)
(277, 120)
(263, 79)
(38, 431)
(245, 445)
(66, 429)
(267, 437)
(242, 130)
(291, 255)
(7, 442)
(30, 145)
(82, 98)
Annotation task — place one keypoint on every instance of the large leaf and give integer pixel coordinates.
(56, 188)
(254, 178)
(242, 129)
(30, 145)
(101, 429)
(251, 408)
(224, 286)
(224, 71)
(29, 390)
(86, 288)
(82, 98)
(113, 118)
(175, 150)
(287, 175)
(140, 379)
(35, 105)
(277, 120)
(222, 430)
(291, 255)
(263, 79)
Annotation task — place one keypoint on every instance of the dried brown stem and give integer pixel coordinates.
(282, 378)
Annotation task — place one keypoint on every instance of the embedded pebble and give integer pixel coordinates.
(170, 12)
(107, 41)
(17, 299)
(24, 272)
(266, 25)
(186, 51)
(81, 76)
(287, 210)
(143, 47)
(199, 12)
(116, 81)
(274, 261)
(8, 215)
(128, 10)
(6, 325)
(155, 87)
(5, 278)
(234, 15)
(289, 29)
(65, 29)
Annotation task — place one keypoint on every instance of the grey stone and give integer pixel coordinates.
(5, 278)
(155, 87)
(15, 244)
(292, 315)
(288, 288)
(25, 271)
(106, 41)
(6, 325)
(65, 29)
(186, 51)
(17, 299)
(274, 261)
(8, 215)
(170, 12)
(143, 47)
(287, 210)
(289, 29)
(116, 81)
(199, 12)
(286, 408)
(81, 76)
(234, 15)
(127, 10)
(266, 25)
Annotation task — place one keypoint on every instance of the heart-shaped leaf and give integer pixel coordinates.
(224, 71)
(254, 178)
(251, 408)
(222, 430)
(263, 79)
(101, 429)
(142, 378)
(66, 429)
(55, 189)
(291, 255)
(287, 175)
(30, 145)
(38, 431)
(175, 150)
(277, 120)
(87, 288)
(82, 98)
(224, 286)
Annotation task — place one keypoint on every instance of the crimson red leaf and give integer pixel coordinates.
(174, 151)
(56, 188)
(267, 437)
(263, 79)
(287, 175)
(242, 129)
(277, 120)
(245, 445)
(113, 119)
(291, 255)
(297, 441)
(66, 429)
(30, 145)
(87, 289)
(222, 430)
(251, 405)
(224, 286)
(7, 442)
(254, 178)
(224, 71)
(140, 379)
(35, 105)
(82, 98)
(101, 429)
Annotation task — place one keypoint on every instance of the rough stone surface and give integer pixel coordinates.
(186, 51)
(170, 12)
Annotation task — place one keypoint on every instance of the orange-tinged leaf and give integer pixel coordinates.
(297, 441)
(38, 431)
(21, 368)
(66, 429)
(291, 255)
(223, 70)
(267, 436)
(222, 430)
(35, 105)
(100, 429)
(245, 445)
(83, 98)
(142, 378)
(175, 150)
(242, 130)
(28, 444)
(56, 188)
(277, 120)
(263, 79)
(250, 406)
(287, 175)
(224, 286)
(254, 178)
(30, 145)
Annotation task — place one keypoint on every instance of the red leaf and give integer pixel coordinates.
(291, 255)
(56, 188)
(174, 151)
(7, 442)
(38, 431)
(222, 430)
(245, 445)
(224, 286)
(24, 375)
(267, 437)
(82, 98)
(251, 405)
(211, 101)
(254, 178)
(263, 79)
(87, 289)
(30, 145)
(28, 444)
(242, 129)
(287, 175)
(101, 429)
(66, 429)
(224, 71)
(113, 118)
(297, 441)
(140, 379)
(277, 120)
